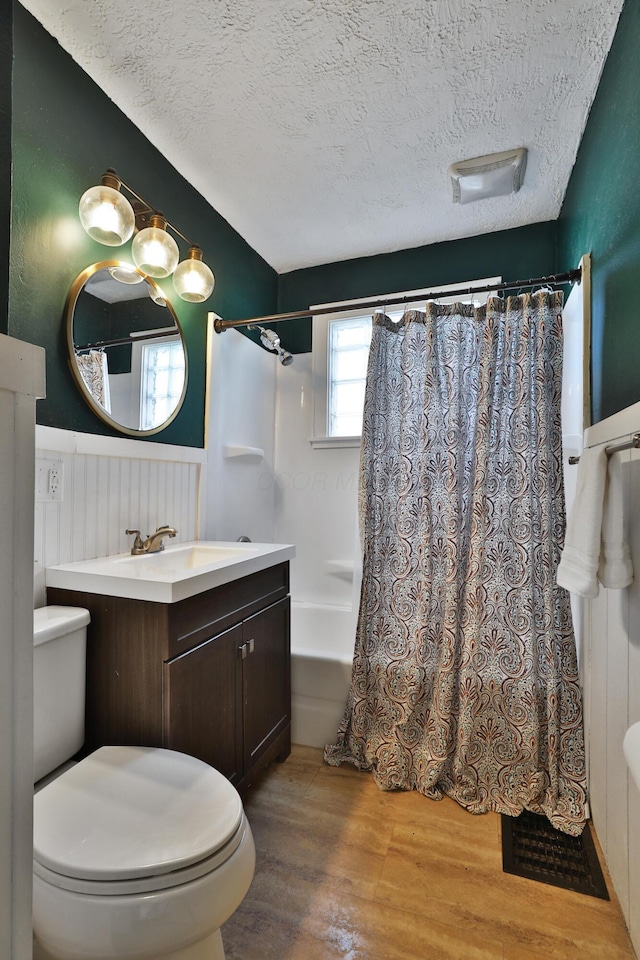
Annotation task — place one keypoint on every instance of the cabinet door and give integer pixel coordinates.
(203, 703)
(266, 678)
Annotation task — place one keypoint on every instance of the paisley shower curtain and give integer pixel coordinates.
(465, 676)
(94, 370)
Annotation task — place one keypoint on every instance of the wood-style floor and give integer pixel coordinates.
(347, 871)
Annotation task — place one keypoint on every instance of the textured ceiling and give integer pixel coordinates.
(323, 129)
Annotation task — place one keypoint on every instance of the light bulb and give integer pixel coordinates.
(105, 214)
(154, 251)
(193, 280)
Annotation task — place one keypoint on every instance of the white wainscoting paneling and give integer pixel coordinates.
(612, 692)
(103, 495)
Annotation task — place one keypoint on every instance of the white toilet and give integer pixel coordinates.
(140, 853)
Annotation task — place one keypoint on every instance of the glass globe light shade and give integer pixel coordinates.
(106, 215)
(193, 280)
(157, 296)
(154, 251)
(124, 273)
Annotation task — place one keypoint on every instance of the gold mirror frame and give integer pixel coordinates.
(75, 290)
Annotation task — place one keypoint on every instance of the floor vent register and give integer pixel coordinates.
(532, 848)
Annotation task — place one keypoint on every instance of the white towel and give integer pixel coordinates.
(578, 567)
(595, 546)
(616, 567)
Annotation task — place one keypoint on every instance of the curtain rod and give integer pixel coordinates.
(572, 276)
(120, 341)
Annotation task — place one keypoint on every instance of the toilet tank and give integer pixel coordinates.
(59, 656)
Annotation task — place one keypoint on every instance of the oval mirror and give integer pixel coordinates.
(126, 349)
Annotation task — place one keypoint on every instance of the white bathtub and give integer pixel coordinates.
(322, 641)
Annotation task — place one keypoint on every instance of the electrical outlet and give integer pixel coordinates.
(49, 476)
(55, 483)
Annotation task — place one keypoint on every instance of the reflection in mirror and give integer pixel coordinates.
(126, 348)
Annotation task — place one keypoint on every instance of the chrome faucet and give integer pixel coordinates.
(153, 543)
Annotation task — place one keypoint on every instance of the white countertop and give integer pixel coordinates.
(179, 571)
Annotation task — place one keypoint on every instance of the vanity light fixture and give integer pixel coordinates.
(110, 218)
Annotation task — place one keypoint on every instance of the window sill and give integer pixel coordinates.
(323, 443)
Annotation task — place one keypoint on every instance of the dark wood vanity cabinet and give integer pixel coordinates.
(203, 703)
(237, 680)
(209, 675)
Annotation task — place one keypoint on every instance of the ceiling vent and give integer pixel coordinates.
(495, 175)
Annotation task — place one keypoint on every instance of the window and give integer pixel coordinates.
(340, 354)
(161, 382)
(348, 354)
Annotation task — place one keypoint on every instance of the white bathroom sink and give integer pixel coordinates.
(188, 556)
(180, 570)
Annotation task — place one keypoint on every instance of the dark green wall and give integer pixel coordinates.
(6, 57)
(66, 132)
(601, 215)
(513, 254)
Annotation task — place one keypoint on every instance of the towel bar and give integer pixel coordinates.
(633, 443)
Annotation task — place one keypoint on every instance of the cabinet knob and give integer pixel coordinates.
(251, 645)
(243, 651)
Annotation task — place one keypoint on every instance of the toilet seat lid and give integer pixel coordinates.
(127, 812)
